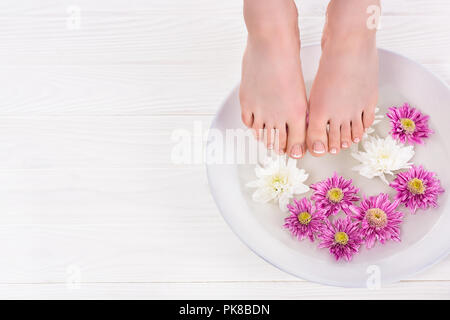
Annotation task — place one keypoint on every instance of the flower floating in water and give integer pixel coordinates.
(278, 180)
(382, 156)
(408, 124)
(342, 237)
(334, 194)
(304, 220)
(417, 188)
(379, 219)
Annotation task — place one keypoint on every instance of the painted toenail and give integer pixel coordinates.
(344, 145)
(296, 151)
(318, 147)
(356, 140)
(333, 150)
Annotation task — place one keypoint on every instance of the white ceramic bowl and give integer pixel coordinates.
(425, 236)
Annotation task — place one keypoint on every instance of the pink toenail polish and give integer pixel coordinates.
(296, 151)
(356, 140)
(333, 150)
(344, 145)
(318, 147)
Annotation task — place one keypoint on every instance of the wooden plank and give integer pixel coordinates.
(123, 89)
(116, 89)
(201, 7)
(225, 291)
(187, 39)
(126, 225)
(131, 225)
(45, 142)
(389, 8)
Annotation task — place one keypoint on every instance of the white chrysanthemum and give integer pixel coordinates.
(382, 156)
(278, 180)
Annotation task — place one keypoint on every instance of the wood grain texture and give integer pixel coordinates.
(133, 225)
(87, 110)
(149, 89)
(224, 291)
(203, 8)
(46, 142)
(92, 182)
(185, 39)
(124, 90)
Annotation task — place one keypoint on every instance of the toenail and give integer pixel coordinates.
(296, 151)
(270, 147)
(356, 140)
(333, 150)
(344, 145)
(318, 147)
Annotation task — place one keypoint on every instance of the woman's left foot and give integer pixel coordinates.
(345, 92)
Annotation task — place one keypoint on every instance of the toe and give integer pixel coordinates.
(334, 137)
(296, 139)
(247, 118)
(257, 127)
(317, 139)
(357, 129)
(368, 118)
(269, 136)
(346, 135)
(280, 138)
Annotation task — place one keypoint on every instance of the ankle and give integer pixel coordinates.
(284, 43)
(348, 28)
(270, 19)
(352, 19)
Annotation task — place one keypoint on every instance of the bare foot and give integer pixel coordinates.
(272, 92)
(345, 92)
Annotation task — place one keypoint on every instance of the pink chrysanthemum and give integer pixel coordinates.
(304, 220)
(334, 194)
(417, 188)
(408, 124)
(342, 237)
(379, 219)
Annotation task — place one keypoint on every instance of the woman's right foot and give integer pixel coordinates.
(272, 93)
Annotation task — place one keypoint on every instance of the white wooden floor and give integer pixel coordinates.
(90, 204)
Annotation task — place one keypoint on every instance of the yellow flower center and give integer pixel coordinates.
(376, 217)
(408, 125)
(304, 218)
(278, 183)
(335, 195)
(416, 186)
(341, 238)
